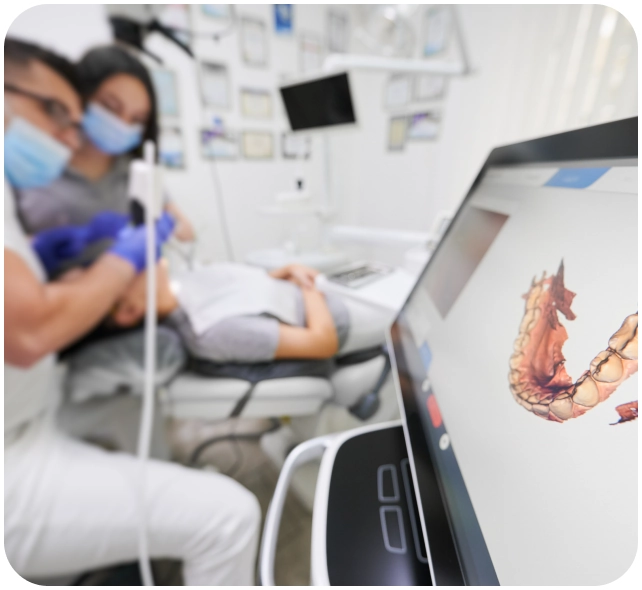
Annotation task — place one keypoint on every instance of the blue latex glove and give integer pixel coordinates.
(106, 224)
(58, 244)
(130, 244)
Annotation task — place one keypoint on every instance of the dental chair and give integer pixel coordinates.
(216, 392)
(280, 388)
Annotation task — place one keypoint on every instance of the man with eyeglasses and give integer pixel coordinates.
(70, 507)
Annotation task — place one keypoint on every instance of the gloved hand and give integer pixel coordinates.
(130, 244)
(106, 224)
(58, 244)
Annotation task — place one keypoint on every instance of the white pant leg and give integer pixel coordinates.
(71, 507)
(115, 419)
(368, 325)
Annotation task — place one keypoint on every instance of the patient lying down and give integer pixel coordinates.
(236, 313)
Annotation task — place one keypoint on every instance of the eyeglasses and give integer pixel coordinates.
(55, 109)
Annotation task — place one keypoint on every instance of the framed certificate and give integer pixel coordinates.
(214, 84)
(397, 133)
(219, 145)
(254, 50)
(257, 145)
(256, 104)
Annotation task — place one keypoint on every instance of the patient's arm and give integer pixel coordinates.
(318, 339)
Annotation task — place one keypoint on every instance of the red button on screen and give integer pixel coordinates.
(433, 410)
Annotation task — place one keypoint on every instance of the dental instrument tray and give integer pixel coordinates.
(359, 275)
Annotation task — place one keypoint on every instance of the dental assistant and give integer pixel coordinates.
(120, 114)
(70, 507)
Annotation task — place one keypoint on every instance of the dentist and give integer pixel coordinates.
(71, 507)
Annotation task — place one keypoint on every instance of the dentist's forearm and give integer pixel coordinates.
(44, 318)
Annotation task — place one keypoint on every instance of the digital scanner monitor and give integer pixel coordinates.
(322, 102)
(516, 359)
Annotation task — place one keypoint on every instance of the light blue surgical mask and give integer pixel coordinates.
(108, 132)
(31, 157)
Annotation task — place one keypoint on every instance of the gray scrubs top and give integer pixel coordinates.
(74, 200)
(249, 339)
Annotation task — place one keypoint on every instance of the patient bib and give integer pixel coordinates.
(213, 293)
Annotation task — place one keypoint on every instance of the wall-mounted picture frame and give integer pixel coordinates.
(165, 87)
(256, 104)
(295, 146)
(171, 150)
(429, 87)
(254, 42)
(215, 84)
(257, 145)
(222, 11)
(435, 29)
(397, 131)
(217, 144)
(423, 126)
(398, 91)
(338, 32)
(311, 52)
(283, 19)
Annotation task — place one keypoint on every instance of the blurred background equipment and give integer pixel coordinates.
(131, 23)
(386, 29)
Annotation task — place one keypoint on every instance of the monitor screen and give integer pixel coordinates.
(319, 103)
(516, 362)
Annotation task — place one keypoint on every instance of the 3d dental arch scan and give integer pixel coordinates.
(323, 348)
(538, 378)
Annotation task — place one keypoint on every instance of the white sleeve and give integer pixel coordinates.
(11, 228)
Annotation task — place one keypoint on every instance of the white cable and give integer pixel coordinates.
(147, 412)
(220, 202)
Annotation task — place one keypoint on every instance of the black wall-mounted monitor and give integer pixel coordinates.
(322, 102)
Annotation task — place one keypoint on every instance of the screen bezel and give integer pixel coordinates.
(607, 141)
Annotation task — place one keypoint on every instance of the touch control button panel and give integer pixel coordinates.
(387, 483)
(394, 536)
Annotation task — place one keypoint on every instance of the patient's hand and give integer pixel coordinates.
(300, 275)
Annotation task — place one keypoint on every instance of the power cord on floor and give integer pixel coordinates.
(236, 466)
(206, 444)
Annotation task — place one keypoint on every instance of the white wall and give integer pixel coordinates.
(533, 68)
(69, 29)
(538, 69)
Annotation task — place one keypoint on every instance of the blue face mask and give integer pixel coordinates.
(109, 133)
(31, 157)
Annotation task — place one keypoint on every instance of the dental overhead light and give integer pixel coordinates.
(386, 29)
(386, 34)
(131, 23)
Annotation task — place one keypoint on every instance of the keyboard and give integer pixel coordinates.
(358, 276)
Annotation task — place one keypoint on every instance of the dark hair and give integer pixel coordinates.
(22, 53)
(104, 62)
